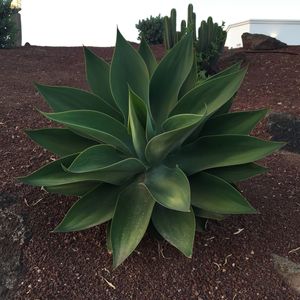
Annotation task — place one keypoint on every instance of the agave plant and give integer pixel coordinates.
(149, 145)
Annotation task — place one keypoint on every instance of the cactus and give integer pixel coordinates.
(193, 26)
(166, 33)
(173, 26)
(171, 36)
(183, 26)
(208, 44)
(190, 14)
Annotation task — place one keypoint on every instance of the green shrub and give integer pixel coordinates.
(209, 39)
(139, 156)
(7, 24)
(152, 30)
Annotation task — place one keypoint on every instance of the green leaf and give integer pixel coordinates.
(148, 56)
(108, 238)
(92, 209)
(62, 98)
(237, 173)
(127, 69)
(177, 129)
(95, 125)
(168, 78)
(233, 68)
(137, 121)
(190, 81)
(60, 141)
(169, 187)
(233, 123)
(97, 75)
(76, 189)
(177, 227)
(201, 213)
(49, 172)
(56, 173)
(130, 221)
(96, 157)
(216, 195)
(220, 151)
(150, 130)
(104, 158)
(214, 93)
(225, 108)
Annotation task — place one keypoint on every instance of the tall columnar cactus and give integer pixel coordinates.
(208, 44)
(171, 36)
(192, 21)
(173, 20)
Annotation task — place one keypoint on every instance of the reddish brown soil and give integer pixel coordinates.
(225, 265)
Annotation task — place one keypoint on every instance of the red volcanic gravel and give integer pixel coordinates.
(225, 265)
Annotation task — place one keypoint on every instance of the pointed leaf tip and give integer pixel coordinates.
(130, 221)
(127, 69)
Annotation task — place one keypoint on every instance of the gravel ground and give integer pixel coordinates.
(232, 260)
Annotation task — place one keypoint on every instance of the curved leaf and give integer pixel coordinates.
(56, 173)
(76, 189)
(148, 56)
(104, 158)
(61, 98)
(233, 123)
(190, 81)
(95, 125)
(178, 128)
(92, 209)
(231, 69)
(237, 173)
(130, 221)
(97, 75)
(60, 141)
(177, 227)
(163, 91)
(225, 108)
(137, 121)
(216, 195)
(214, 93)
(108, 238)
(169, 187)
(96, 157)
(222, 150)
(127, 69)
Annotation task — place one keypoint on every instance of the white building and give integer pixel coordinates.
(287, 31)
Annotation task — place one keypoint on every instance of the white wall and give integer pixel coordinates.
(287, 31)
(234, 35)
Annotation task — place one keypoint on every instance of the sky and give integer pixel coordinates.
(94, 22)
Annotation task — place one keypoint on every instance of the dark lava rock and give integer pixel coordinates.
(261, 42)
(286, 128)
(12, 233)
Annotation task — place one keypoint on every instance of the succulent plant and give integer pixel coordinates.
(138, 154)
(208, 44)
